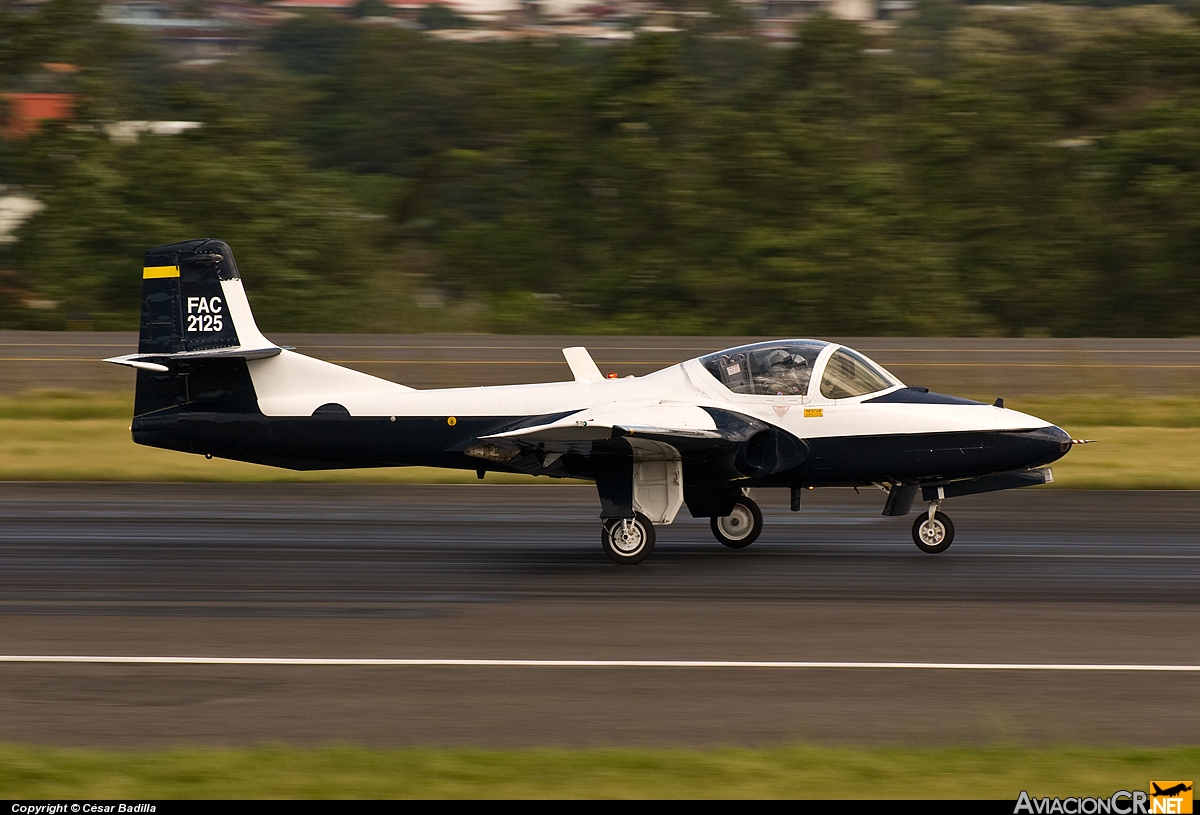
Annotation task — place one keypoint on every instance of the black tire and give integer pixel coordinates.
(628, 540)
(741, 527)
(933, 537)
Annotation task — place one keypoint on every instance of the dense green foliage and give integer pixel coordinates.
(982, 170)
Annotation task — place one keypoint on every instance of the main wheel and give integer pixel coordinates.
(628, 540)
(740, 528)
(933, 535)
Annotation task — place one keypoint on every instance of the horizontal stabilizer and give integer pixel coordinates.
(153, 362)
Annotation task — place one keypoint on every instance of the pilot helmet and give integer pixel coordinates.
(780, 357)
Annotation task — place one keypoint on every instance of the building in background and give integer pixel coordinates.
(205, 32)
(25, 112)
(46, 94)
(195, 34)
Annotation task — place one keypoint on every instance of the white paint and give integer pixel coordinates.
(598, 422)
(1113, 667)
(135, 363)
(658, 486)
(243, 319)
(666, 401)
(583, 367)
(292, 384)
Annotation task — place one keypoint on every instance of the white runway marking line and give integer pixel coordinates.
(595, 663)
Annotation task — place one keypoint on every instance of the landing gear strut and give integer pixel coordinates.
(932, 531)
(627, 540)
(740, 528)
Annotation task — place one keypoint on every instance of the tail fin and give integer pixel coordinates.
(196, 330)
(193, 300)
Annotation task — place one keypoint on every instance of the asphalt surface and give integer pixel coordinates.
(505, 572)
(978, 367)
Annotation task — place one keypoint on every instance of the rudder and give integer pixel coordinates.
(183, 305)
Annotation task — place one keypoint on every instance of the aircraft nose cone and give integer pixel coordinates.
(1048, 444)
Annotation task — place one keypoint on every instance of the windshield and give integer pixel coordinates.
(848, 373)
(766, 369)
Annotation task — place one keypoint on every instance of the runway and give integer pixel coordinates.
(980, 367)
(530, 636)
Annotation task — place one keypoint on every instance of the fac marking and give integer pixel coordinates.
(204, 314)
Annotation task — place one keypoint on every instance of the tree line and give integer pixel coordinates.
(1012, 171)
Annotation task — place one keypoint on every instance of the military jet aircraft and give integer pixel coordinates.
(792, 414)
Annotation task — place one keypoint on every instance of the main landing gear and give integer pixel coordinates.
(628, 540)
(631, 540)
(740, 528)
(932, 531)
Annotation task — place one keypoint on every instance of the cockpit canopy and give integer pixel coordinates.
(766, 368)
(786, 368)
(848, 373)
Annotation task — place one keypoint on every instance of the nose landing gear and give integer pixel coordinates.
(933, 532)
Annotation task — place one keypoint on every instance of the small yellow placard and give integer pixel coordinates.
(152, 272)
(814, 413)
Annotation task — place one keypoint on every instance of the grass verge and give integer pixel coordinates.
(786, 772)
(1102, 411)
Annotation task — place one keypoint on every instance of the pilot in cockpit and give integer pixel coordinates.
(784, 374)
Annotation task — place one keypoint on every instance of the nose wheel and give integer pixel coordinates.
(932, 532)
(627, 540)
(740, 528)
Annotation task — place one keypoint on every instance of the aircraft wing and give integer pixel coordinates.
(754, 447)
(690, 425)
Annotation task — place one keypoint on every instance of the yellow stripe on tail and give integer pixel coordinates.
(151, 272)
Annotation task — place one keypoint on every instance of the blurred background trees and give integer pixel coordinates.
(981, 171)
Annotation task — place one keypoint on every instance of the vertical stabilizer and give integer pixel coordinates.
(184, 305)
(193, 300)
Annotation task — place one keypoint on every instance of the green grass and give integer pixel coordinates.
(67, 405)
(1131, 458)
(69, 436)
(786, 772)
(1100, 411)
